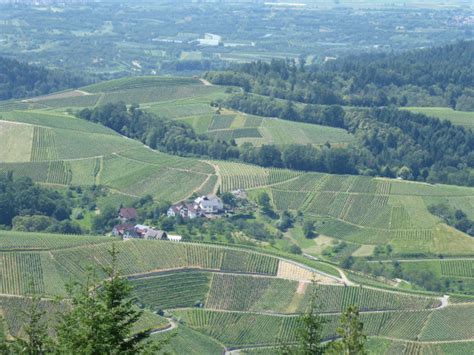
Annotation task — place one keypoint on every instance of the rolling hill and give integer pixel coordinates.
(54, 147)
(226, 297)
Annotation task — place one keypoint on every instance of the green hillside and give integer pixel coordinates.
(226, 296)
(57, 148)
(360, 209)
(245, 298)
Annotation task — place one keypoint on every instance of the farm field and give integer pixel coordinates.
(460, 118)
(141, 90)
(257, 130)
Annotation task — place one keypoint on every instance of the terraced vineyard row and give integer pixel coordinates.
(236, 175)
(134, 257)
(22, 273)
(184, 289)
(235, 329)
(457, 268)
(246, 329)
(44, 145)
(221, 122)
(11, 241)
(451, 323)
(248, 293)
(288, 200)
(12, 309)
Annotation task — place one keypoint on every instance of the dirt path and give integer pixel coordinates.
(421, 260)
(218, 174)
(172, 325)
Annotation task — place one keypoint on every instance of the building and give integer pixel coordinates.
(153, 234)
(185, 210)
(125, 231)
(209, 204)
(128, 215)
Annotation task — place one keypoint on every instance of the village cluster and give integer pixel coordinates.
(210, 206)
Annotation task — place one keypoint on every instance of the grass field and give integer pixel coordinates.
(460, 118)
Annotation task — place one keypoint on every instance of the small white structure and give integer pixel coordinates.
(210, 40)
(209, 204)
(174, 238)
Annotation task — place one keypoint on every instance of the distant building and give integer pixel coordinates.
(120, 229)
(128, 214)
(210, 40)
(202, 206)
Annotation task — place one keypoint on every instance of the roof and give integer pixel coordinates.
(153, 233)
(124, 226)
(128, 213)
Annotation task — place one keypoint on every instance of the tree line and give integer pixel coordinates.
(19, 80)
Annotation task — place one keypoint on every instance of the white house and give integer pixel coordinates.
(184, 210)
(209, 204)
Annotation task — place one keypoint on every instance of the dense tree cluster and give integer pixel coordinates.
(269, 107)
(18, 80)
(412, 146)
(431, 77)
(25, 206)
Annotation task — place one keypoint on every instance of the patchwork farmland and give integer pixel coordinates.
(226, 297)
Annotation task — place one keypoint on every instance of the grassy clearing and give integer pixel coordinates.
(15, 142)
(460, 118)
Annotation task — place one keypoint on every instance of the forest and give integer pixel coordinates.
(429, 77)
(25, 206)
(20, 80)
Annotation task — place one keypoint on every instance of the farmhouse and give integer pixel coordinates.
(202, 206)
(128, 214)
(125, 230)
(209, 204)
(140, 231)
(185, 210)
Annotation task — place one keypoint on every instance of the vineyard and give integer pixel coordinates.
(185, 289)
(241, 300)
